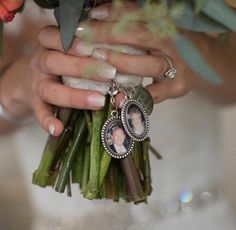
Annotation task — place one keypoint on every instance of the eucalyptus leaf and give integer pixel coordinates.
(68, 17)
(219, 11)
(195, 60)
(198, 22)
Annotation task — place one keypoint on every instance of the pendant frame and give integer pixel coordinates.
(140, 111)
(144, 97)
(112, 124)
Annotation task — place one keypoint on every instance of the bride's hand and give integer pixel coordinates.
(137, 35)
(49, 63)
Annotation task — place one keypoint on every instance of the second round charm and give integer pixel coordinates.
(135, 120)
(115, 139)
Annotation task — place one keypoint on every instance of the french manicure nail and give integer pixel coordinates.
(51, 129)
(83, 31)
(84, 49)
(96, 100)
(100, 54)
(99, 13)
(107, 71)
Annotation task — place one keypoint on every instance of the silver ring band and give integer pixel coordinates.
(171, 71)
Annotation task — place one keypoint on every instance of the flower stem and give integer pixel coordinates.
(77, 168)
(155, 152)
(146, 168)
(43, 173)
(113, 179)
(106, 158)
(132, 179)
(64, 143)
(93, 184)
(63, 176)
(85, 174)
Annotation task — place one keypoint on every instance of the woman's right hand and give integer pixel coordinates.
(50, 62)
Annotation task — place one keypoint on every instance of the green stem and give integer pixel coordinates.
(104, 165)
(43, 173)
(155, 152)
(136, 155)
(93, 184)
(103, 192)
(85, 174)
(113, 178)
(80, 129)
(88, 120)
(68, 186)
(77, 168)
(133, 180)
(106, 158)
(64, 143)
(146, 168)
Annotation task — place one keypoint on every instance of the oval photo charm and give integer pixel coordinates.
(135, 120)
(115, 139)
(143, 96)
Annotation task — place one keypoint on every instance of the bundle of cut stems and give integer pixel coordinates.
(78, 156)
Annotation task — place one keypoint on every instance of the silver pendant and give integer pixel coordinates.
(135, 120)
(115, 139)
(143, 96)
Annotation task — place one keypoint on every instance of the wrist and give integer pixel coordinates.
(13, 93)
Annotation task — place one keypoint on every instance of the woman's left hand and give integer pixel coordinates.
(152, 65)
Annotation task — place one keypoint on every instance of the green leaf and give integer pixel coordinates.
(220, 12)
(1, 39)
(68, 15)
(199, 4)
(198, 22)
(195, 60)
(49, 4)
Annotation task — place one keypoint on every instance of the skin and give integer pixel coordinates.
(118, 136)
(136, 119)
(35, 80)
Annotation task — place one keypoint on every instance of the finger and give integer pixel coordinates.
(135, 34)
(58, 63)
(120, 99)
(44, 115)
(57, 94)
(142, 65)
(49, 37)
(113, 11)
(169, 88)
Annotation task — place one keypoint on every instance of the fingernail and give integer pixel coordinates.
(107, 71)
(51, 129)
(84, 49)
(99, 13)
(100, 54)
(96, 100)
(83, 32)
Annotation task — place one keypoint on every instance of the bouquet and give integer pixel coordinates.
(104, 151)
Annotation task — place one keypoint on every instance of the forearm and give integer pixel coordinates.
(221, 55)
(14, 93)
